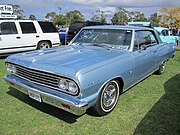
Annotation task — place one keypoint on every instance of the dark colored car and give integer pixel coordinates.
(76, 26)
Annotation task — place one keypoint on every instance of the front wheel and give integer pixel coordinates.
(107, 98)
(43, 45)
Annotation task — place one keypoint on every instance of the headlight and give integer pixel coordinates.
(72, 87)
(11, 68)
(63, 84)
(68, 86)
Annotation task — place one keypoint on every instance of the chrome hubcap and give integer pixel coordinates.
(44, 45)
(109, 96)
(162, 68)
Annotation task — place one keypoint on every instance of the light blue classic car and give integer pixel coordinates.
(162, 31)
(166, 37)
(92, 71)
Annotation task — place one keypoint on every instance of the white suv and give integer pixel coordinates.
(25, 35)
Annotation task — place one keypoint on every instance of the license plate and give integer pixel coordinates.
(35, 96)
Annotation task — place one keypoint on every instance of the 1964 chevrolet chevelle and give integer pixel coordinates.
(92, 71)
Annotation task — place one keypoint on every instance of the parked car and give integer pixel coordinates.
(98, 65)
(76, 26)
(25, 35)
(166, 37)
(63, 34)
(163, 32)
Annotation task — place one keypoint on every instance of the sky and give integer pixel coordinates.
(40, 8)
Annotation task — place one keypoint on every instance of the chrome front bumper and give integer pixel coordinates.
(77, 108)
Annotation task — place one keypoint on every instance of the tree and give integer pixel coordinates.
(138, 16)
(32, 17)
(61, 19)
(171, 16)
(50, 15)
(95, 17)
(57, 19)
(100, 16)
(18, 11)
(74, 15)
(155, 19)
(120, 17)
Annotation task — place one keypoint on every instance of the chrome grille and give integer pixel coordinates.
(38, 77)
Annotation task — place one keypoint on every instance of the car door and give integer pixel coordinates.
(144, 54)
(28, 37)
(8, 37)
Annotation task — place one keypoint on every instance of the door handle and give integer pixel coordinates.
(18, 37)
(37, 36)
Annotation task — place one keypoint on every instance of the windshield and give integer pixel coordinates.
(113, 38)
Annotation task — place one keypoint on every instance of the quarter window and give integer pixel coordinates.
(165, 33)
(47, 27)
(27, 27)
(8, 28)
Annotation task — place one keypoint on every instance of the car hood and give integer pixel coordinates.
(68, 60)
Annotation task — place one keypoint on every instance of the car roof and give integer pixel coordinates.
(139, 22)
(117, 27)
(14, 20)
(160, 28)
(143, 24)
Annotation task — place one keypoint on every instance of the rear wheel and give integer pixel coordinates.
(43, 45)
(177, 43)
(107, 98)
(161, 69)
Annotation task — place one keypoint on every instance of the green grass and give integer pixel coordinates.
(152, 107)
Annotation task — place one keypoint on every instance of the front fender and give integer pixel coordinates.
(92, 82)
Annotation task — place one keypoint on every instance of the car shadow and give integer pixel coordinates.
(43, 107)
(3, 57)
(164, 116)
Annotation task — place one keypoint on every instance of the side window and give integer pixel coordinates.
(8, 28)
(27, 27)
(47, 27)
(145, 38)
(164, 32)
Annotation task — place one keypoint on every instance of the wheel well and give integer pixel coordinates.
(121, 83)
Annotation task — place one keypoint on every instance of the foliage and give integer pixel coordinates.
(32, 17)
(123, 16)
(136, 16)
(120, 17)
(57, 19)
(171, 16)
(150, 108)
(61, 19)
(74, 15)
(18, 11)
(155, 19)
(100, 16)
(50, 15)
